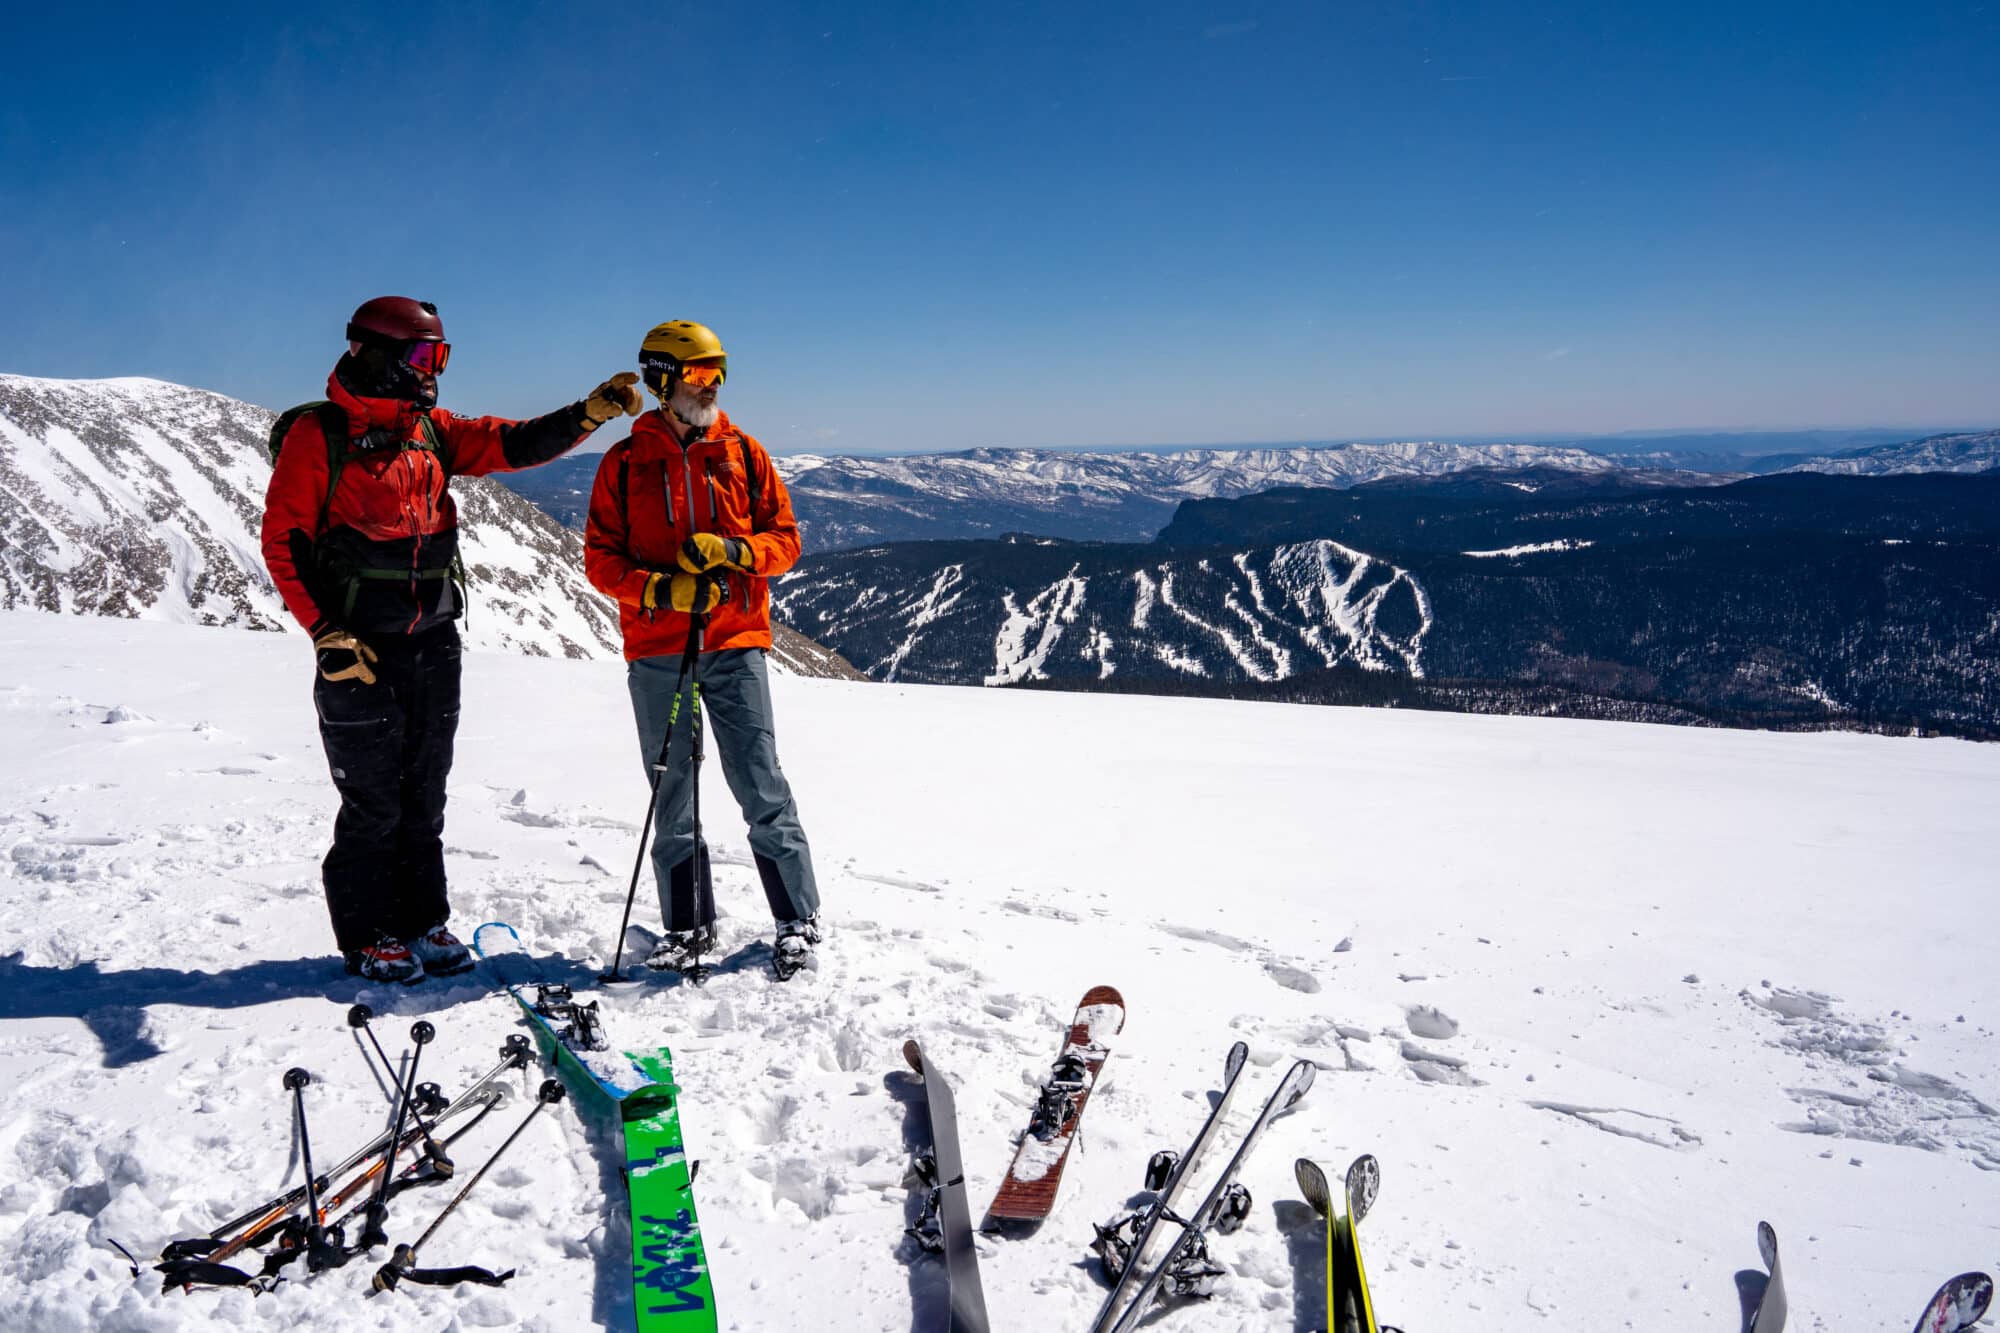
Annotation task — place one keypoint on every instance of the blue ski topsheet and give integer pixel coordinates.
(617, 1074)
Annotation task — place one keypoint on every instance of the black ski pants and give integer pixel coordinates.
(389, 746)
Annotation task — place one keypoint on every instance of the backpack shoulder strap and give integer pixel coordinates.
(754, 482)
(433, 442)
(289, 418)
(332, 425)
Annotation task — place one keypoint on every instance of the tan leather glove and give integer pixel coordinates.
(706, 551)
(344, 657)
(614, 397)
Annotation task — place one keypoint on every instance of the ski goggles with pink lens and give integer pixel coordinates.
(427, 357)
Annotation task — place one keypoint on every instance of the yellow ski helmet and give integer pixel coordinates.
(668, 346)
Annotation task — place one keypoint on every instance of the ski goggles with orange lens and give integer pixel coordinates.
(703, 375)
(430, 358)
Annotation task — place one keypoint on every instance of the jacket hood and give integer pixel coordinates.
(364, 414)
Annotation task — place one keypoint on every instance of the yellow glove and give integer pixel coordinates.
(344, 657)
(614, 397)
(680, 592)
(705, 551)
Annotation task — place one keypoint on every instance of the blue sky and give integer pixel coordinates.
(946, 226)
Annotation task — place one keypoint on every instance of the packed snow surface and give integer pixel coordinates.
(1599, 996)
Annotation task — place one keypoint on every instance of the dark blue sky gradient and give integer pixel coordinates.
(944, 226)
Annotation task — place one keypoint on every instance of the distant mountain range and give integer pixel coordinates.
(135, 497)
(1519, 577)
(1964, 451)
(1792, 599)
(844, 502)
(1129, 496)
(1744, 448)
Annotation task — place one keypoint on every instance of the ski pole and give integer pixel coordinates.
(402, 1263)
(429, 1098)
(319, 1253)
(489, 1101)
(377, 1212)
(219, 1244)
(688, 658)
(704, 891)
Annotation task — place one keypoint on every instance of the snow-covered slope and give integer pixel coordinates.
(1966, 451)
(134, 497)
(1599, 996)
(999, 613)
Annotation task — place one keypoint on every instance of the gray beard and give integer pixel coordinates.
(689, 409)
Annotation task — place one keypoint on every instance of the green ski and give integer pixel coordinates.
(671, 1290)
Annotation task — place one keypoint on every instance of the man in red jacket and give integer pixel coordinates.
(361, 538)
(690, 512)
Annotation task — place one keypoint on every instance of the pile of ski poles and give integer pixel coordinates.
(311, 1221)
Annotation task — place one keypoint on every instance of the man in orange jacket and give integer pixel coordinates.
(361, 538)
(689, 513)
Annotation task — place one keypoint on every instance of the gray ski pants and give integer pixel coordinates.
(736, 698)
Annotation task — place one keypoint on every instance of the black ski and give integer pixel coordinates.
(945, 1228)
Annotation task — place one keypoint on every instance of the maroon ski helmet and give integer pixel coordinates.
(395, 319)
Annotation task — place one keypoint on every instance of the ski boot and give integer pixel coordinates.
(441, 952)
(794, 948)
(681, 950)
(384, 960)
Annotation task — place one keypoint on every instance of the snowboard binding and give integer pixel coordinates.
(928, 1230)
(1056, 1108)
(1193, 1273)
(1113, 1246)
(1116, 1240)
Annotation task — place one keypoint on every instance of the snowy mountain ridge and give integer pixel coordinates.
(1773, 600)
(135, 497)
(941, 615)
(1021, 474)
(140, 498)
(1961, 451)
(846, 501)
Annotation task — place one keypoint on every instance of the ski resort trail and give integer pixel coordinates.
(1584, 988)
